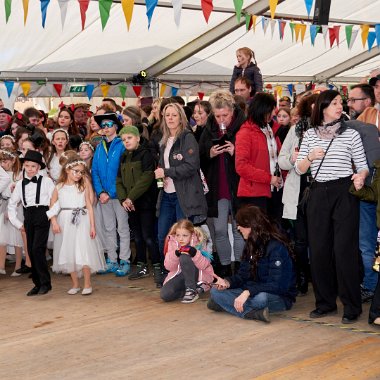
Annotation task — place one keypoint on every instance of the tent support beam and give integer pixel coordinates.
(205, 40)
(346, 65)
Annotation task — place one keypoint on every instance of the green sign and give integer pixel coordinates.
(78, 88)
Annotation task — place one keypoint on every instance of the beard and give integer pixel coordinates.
(354, 114)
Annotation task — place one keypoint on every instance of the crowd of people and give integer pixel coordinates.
(241, 194)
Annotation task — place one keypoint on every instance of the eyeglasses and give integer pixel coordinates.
(78, 172)
(107, 124)
(353, 100)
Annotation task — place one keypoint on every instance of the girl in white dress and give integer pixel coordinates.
(76, 248)
(59, 143)
(10, 172)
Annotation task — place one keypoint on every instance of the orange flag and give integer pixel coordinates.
(25, 88)
(272, 7)
(104, 88)
(162, 90)
(365, 32)
(127, 6)
(25, 4)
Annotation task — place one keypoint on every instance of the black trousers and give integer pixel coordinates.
(374, 311)
(333, 230)
(37, 232)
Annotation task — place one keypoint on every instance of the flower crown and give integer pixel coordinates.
(8, 137)
(59, 130)
(8, 153)
(75, 163)
(86, 143)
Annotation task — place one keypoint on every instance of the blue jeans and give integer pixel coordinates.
(170, 212)
(367, 242)
(226, 299)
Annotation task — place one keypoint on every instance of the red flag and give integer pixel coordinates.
(336, 30)
(83, 4)
(332, 36)
(207, 8)
(58, 88)
(344, 90)
(201, 95)
(137, 90)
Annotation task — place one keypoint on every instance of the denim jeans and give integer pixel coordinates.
(170, 212)
(367, 242)
(226, 299)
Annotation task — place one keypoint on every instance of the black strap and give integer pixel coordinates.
(323, 158)
(25, 182)
(38, 192)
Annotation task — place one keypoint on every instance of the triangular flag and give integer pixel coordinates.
(25, 5)
(201, 95)
(365, 31)
(313, 32)
(377, 31)
(281, 28)
(44, 6)
(272, 7)
(207, 7)
(254, 19)
(104, 88)
(297, 29)
(25, 88)
(104, 10)
(90, 90)
(137, 90)
(83, 6)
(336, 31)
(123, 90)
(248, 21)
(325, 30)
(354, 34)
(9, 86)
(127, 6)
(174, 91)
(348, 30)
(290, 89)
(303, 31)
(309, 4)
(371, 39)
(344, 90)
(265, 23)
(272, 26)
(162, 89)
(238, 4)
(8, 9)
(177, 8)
(292, 26)
(63, 8)
(332, 36)
(150, 7)
(279, 91)
(58, 88)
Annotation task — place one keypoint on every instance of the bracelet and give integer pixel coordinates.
(307, 156)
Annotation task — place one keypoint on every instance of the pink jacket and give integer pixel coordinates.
(201, 262)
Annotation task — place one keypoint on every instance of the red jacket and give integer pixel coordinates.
(252, 160)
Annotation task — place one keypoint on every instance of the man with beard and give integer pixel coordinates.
(360, 97)
(5, 119)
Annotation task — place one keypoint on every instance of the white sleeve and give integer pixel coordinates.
(54, 210)
(4, 180)
(12, 206)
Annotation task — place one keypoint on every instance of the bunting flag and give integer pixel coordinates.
(90, 90)
(281, 28)
(292, 26)
(137, 90)
(265, 23)
(127, 6)
(162, 90)
(248, 22)
(348, 31)
(83, 6)
(330, 86)
(279, 91)
(104, 10)
(123, 90)
(238, 4)
(371, 39)
(365, 31)
(104, 88)
(254, 19)
(377, 31)
(309, 4)
(9, 86)
(63, 8)
(272, 26)
(201, 95)
(177, 8)
(313, 33)
(174, 91)
(303, 31)
(8, 9)
(336, 31)
(272, 7)
(58, 88)
(25, 88)
(44, 6)
(290, 89)
(207, 7)
(297, 29)
(325, 30)
(344, 90)
(150, 7)
(332, 36)
(354, 34)
(25, 5)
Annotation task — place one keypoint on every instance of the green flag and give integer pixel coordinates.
(8, 9)
(348, 30)
(104, 9)
(238, 7)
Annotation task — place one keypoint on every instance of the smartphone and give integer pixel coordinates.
(220, 141)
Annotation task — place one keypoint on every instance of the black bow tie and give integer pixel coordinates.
(26, 181)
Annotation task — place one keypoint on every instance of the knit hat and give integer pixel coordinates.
(129, 130)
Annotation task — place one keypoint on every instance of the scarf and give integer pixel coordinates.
(330, 130)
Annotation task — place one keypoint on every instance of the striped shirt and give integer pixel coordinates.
(345, 150)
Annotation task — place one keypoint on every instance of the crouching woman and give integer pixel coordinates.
(266, 279)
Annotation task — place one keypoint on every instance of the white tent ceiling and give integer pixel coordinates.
(193, 53)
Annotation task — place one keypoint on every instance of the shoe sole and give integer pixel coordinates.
(326, 314)
(192, 300)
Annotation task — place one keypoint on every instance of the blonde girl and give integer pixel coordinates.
(8, 142)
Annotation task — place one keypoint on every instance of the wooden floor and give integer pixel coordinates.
(124, 331)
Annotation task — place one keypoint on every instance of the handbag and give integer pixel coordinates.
(306, 193)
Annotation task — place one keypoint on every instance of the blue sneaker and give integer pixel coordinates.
(124, 269)
(111, 267)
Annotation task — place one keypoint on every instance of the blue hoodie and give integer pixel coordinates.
(105, 165)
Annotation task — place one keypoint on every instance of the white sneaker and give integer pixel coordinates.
(73, 291)
(2, 271)
(15, 274)
(86, 291)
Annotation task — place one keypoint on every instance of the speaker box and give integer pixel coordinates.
(321, 12)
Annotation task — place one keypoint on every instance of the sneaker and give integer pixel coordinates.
(73, 291)
(159, 275)
(86, 291)
(15, 274)
(366, 294)
(258, 315)
(2, 271)
(111, 267)
(141, 272)
(190, 296)
(124, 269)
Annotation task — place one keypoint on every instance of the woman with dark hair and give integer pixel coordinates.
(202, 110)
(132, 116)
(256, 157)
(329, 149)
(266, 281)
(66, 121)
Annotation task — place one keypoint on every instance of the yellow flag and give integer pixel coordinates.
(254, 18)
(279, 91)
(25, 88)
(272, 7)
(303, 31)
(25, 4)
(128, 10)
(105, 88)
(297, 29)
(365, 32)
(162, 90)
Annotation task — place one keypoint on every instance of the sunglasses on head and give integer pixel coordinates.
(107, 124)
